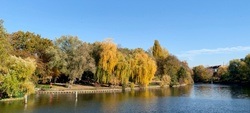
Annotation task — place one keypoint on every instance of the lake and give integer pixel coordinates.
(199, 98)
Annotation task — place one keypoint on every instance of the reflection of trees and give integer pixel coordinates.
(17, 106)
(48, 101)
(240, 92)
(182, 91)
(163, 92)
(105, 102)
(14, 106)
(204, 91)
(113, 100)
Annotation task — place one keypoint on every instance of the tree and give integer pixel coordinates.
(27, 44)
(223, 73)
(160, 54)
(182, 73)
(2, 29)
(171, 66)
(237, 71)
(185, 74)
(158, 51)
(5, 49)
(71, 57)
(202, 74)
(123, 68)
(57, 63)
(144, 68)
(17, 81)
(30, 43)
(107, 62)
(247, 61)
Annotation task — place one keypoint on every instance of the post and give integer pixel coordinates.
(25, 99)
(76, 95)
(76, 99)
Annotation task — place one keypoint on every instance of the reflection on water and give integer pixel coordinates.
(211, 92)
(197, 98)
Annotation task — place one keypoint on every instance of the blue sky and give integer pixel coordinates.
(207, 32)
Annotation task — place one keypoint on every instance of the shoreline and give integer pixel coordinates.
(11, 99)
(93, 90)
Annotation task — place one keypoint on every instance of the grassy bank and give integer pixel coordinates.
(11, 99)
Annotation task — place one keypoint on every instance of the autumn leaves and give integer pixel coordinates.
(136, 66)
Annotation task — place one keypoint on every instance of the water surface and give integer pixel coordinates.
(201, 98)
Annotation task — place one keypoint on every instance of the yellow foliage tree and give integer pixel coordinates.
(144, 68)
(123, 68)
(158, 51)
(107, 62)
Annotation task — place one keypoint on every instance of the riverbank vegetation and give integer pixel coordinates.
(237, 72)
(28, 59)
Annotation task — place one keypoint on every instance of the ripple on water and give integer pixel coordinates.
(202, 98)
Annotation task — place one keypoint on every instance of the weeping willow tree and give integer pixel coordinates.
(143, 68)
(107, 62)
(123, 68)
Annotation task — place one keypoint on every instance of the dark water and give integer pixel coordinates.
(189, 99)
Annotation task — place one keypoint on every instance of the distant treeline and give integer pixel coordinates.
(237, 72)
(28, 59)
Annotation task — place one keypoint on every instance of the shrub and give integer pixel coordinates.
(132, 86)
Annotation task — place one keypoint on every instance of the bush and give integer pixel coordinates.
(132, 86)
(172, 84)
(165, 80)
(17, 81)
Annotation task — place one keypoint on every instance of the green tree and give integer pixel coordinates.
(171, 66)
(247, 61)
(5, 47)
(182, 73)
(238, 71)
(185, 74)
(123, 68)
(160, 54)
(2, 29)
(17, 81)
(223, 73)
(27, 44)
(57, 63)
(202, 74)
(72, 57)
